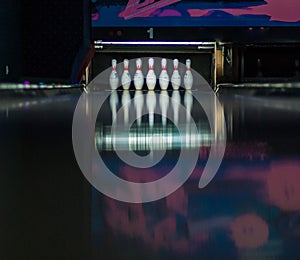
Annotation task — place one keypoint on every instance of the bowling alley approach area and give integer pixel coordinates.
(149, 129)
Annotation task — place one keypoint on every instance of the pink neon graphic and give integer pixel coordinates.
(169, 12)
(136, 9)
(95, 16)
(276, 9)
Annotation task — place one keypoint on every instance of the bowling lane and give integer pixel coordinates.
(249, 209)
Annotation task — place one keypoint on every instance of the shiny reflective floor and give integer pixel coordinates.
(250, 208)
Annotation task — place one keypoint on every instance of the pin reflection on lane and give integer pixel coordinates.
(151, 104)
(138, 105)
(164, 104)
(155, 117)
(126, 105)
(175, 105)
(114, 102)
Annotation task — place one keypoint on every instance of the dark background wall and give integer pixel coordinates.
(10, 46)
(41, 38)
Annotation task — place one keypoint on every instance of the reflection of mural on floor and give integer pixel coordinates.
(249, 231)
(245, 208)
(283, 185)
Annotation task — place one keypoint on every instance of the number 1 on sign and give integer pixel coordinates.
(150, 31)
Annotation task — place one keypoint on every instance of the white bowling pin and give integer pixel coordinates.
(126, 104)
(151, 77)
(164, 103)
(138, 104)
(176, 78)
(138, 78)
(114, 77)
(164, 77)
(151, 103)
(126, 78)
(176, 102)
(188, 76)
(113, 102)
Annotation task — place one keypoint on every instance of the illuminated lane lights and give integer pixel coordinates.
(160, 138)
(100, 42)
(31, 86)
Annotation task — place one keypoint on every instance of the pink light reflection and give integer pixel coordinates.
(249, 231)
(178, 202)
(283, 185)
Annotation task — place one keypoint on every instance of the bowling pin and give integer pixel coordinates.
(175, 79)
(164, 77)
(126, 78)
(138, 78)
(176, 101)
(126, 104)
(188, 76)
(164, 103)
(151, 103)
(151, 77)
(113, 102)
(114, 77)
(138, 104)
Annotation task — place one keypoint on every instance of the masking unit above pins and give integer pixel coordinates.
(196, 20)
